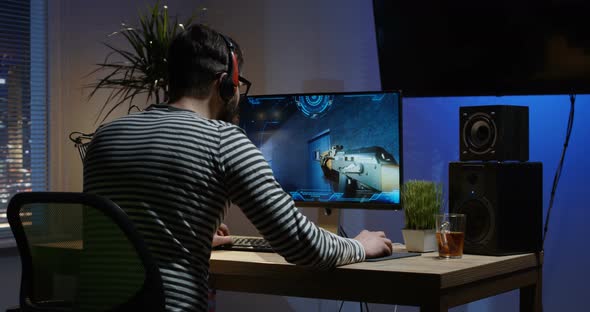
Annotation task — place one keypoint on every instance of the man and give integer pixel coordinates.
(175, 168)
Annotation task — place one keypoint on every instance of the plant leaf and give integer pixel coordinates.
(140, 68)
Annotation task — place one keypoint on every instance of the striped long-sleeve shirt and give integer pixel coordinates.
(175, 173)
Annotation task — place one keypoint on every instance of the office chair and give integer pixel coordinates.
(81, 252)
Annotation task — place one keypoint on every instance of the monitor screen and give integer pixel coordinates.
(332, 149)
(501, 47)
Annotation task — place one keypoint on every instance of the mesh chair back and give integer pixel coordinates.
(80, 252)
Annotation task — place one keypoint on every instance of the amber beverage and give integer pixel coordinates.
(450, 235)
(450, 244)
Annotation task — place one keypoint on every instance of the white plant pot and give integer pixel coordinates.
(420, 240)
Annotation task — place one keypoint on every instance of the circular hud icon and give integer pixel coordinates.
(314, 106)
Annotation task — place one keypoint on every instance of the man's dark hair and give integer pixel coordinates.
(195, 58)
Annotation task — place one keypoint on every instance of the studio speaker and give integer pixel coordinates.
(503, 204)
(494, 132)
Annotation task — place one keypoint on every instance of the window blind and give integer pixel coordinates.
(23, 102)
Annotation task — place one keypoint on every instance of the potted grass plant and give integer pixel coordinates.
(422, 201)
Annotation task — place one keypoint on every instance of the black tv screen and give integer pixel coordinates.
(501, 47)
(331, 149)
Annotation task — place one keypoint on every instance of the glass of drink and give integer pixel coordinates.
(450, 235)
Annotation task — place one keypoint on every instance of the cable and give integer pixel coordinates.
(341, 231)
(81, 137)
(568, 132)
(341, 305)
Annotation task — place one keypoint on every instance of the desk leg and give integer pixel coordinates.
(531, 297)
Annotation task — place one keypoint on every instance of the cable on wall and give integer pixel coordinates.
(568, 133)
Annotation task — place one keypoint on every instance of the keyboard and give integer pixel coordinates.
(259, 244)
(247, 243)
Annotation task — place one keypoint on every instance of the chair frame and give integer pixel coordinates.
(150, 297)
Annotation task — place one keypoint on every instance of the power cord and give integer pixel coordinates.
(341, 231)
(568, 132)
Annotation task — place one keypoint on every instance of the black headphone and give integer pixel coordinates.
(231, 81)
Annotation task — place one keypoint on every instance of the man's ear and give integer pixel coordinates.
(221, 77)
(215, 86)
(226, 87)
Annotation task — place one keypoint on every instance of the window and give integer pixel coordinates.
(23, 102)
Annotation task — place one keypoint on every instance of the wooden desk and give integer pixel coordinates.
(428, 282)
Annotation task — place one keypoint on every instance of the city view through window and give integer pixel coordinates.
(23, 101)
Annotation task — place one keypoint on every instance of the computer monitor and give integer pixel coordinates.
(331, 150)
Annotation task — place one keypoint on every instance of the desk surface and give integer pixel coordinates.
(429, 282)
(403, 281)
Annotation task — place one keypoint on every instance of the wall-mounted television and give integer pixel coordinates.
(331, 150)
(502, 47)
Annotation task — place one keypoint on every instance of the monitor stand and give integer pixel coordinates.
(329, 219)
(326, 218)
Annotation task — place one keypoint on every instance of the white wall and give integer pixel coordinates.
(302, 46)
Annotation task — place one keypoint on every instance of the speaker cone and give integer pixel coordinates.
(478, 225)
(479, 133)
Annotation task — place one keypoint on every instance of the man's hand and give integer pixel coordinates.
(221, 237)
(375, 244)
